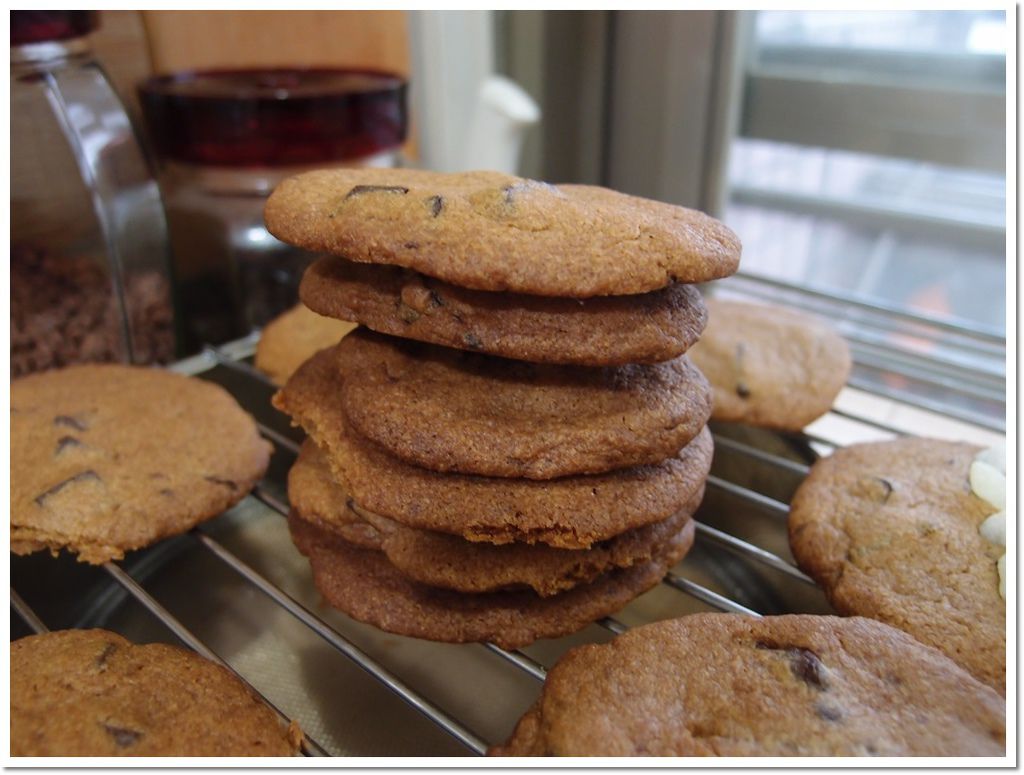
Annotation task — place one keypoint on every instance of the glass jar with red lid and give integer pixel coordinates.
(225, 139)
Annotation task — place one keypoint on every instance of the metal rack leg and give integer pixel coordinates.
(27, 614)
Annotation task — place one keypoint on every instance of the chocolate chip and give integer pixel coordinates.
(828, 712)
(407, 313)
(806, 666)
(873, 488)
(472, 340)
(66, 441)
(224, 482)
(122, 737)
(167, 493)
(436, 204)
(803, 663)
(887, 488)
(435, 299)
(101, 660)
(360, 190)
(61, 485)
(411, 245)
(71, 422)
(742, 389)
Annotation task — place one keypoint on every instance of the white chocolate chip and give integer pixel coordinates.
(988, 483)
(995, 456)
(1001, 567)
(994, 528)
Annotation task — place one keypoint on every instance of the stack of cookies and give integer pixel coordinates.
(513, 444)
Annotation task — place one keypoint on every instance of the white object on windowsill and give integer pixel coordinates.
(503, 113)
(987, 477)
(988, 483)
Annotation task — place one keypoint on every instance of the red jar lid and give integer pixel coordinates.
(274, 117)
(43, 26)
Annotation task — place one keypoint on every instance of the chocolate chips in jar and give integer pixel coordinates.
(64, 310)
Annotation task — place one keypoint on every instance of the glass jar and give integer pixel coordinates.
(226, 138)
(89, 251)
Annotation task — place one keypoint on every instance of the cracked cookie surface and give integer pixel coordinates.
(570, 512)
(93, 693)
(600, 331)
(109, 458)
(362, 583)
(453, 411)
(495, 232)
(450, 562)
(890, 531)
(729, 685)
(769, 366)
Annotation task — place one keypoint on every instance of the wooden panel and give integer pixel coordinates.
(955, 126)
(120, 46)
(187, 40)
(662, 81)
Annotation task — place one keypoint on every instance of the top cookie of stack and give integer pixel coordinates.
(502, 265)
(455, 495)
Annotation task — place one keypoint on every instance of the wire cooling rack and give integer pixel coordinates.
(236, 591)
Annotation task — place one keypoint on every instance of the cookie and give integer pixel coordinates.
(769, 366)
(599, 331)
(317, 498)
(453, 411)
(93, 693)
(105, 459)
(292, 337)
(447, 561)
(364, 585)
(728, 685)
(890, 531)
(570, 512)
(494, 232)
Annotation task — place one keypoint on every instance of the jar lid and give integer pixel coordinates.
(274, 117)
(44, 26)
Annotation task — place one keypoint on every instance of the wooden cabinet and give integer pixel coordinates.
(186, 40)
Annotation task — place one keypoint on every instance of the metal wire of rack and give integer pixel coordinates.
(953, 367)
(708, 538)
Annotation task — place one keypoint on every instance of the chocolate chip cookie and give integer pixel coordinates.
(109, 458)
(600, 331)
(363, 584)
(770, 366)
(570, 512)
(450, 562)
(727, 685)
(890, 530)
(453, 411)
(292, 337)
(494, 232)
(93, 693)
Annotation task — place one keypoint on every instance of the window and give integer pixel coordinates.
(867, 180)
(860, 156)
